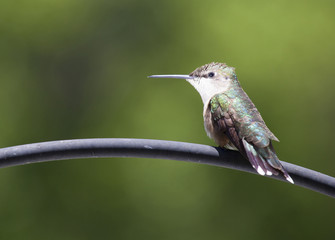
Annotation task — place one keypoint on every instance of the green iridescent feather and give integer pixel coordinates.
(234, 111)
(247, 120)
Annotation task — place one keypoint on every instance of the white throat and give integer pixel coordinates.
(207, 88)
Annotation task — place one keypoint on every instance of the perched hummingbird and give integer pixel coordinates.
(231, 119)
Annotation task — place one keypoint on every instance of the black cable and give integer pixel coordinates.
(145, 148)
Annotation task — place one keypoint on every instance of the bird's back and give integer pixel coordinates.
(248, 122)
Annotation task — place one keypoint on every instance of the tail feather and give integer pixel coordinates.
(255, 163)
(265, 160)
(287, 176)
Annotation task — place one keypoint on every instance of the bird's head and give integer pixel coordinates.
(208, 80)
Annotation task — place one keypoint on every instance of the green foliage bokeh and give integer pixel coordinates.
(77, 69)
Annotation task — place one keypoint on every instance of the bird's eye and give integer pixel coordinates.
(211, 74)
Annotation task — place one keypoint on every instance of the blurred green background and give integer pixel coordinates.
(78, 69)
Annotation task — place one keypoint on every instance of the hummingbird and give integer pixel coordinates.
(231, 119)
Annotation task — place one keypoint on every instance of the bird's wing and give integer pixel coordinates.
(245, 134)
(223, 121)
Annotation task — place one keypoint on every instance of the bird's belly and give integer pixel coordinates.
(213, 132)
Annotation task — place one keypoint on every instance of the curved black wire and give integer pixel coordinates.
(145, 148)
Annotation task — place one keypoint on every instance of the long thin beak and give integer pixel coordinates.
(171, 76)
